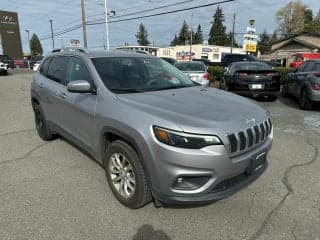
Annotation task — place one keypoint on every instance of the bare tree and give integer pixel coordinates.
(291, 18)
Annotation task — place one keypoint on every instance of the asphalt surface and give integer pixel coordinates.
(51, 190)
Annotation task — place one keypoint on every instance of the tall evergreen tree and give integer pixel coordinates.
(198, 36)
(142, 35)
(217, 35)
(184, 34)
(229, 40)
(174, 41)
(35, 46)
(274, 38)
(264, 44)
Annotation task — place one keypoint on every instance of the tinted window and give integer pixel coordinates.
(77, 70)
(44, 66)
(310, 67)
(317, 67)
(191, 66)
(58, 69)
(302, 66)
(252, 66)
(143, 74)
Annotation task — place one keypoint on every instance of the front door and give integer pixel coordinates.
(78, 109)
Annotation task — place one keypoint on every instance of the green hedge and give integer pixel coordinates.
(216, 73)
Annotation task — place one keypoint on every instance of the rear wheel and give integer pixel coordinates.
(304, 100)
(284, 91)
(126, 176)
(42, 127)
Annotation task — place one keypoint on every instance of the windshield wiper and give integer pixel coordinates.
(126, 90)
(172, 87)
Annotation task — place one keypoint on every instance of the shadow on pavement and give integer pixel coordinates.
(147, 232)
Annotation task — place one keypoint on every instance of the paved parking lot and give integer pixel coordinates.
(51, 190)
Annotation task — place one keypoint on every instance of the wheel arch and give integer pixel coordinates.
(110, 134)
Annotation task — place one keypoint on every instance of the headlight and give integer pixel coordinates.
(185, 140)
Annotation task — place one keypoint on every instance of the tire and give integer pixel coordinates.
(284, 91)
(304, 100)
(42, 127)
(272, 98)
(126, 176)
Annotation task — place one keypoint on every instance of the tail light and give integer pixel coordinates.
(270, 74)
(206, 76)
(315, 86)
(243, 74)
(317, 74)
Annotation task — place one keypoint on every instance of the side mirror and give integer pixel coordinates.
(79, 86)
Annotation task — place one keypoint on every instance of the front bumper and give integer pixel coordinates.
(257, 93)
(315, 96)
(226, 175)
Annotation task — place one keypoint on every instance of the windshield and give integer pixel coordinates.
(253, 66)
(191, 66)
(137, 74)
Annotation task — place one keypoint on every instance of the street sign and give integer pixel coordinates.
(250, 47)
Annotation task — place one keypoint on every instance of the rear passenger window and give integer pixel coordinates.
(44, 66)
(58, 69)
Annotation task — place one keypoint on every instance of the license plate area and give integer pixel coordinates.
(257, 162)
(256, 86)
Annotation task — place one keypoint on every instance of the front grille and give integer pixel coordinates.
(250, 137)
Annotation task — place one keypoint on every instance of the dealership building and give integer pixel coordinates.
(212, 53)
(10, 40)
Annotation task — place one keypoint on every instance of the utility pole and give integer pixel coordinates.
(52, 33)
(190, 53)
(233, 26)
(84, 25)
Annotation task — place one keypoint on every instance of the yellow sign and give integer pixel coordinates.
(251, 47)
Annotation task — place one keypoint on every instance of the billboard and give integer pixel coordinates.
(10, 35)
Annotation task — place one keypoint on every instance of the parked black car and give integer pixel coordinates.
(7, 60)
(304, 84)
(252, 79)
(233, 57)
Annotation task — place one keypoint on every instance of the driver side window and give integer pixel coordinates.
(77, 70)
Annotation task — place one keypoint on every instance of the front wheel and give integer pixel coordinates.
(126, 176)
(304, 101)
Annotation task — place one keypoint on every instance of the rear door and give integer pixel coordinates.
(77, 110)
(294, 81)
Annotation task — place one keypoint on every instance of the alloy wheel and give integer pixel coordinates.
(122, 175)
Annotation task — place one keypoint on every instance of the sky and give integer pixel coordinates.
(34, 15)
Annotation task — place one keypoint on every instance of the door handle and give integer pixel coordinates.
(62, 95)
(40, 85)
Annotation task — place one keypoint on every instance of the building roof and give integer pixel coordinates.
(310, 40)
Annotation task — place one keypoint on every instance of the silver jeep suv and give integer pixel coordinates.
(158, 134)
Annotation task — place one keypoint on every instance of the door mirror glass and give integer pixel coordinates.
(79, 86)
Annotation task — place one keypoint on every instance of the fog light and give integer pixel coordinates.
(190, 183)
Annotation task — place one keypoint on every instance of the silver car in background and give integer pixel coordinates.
(196, 71)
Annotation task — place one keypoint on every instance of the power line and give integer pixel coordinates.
(140, 17)
(164, 13)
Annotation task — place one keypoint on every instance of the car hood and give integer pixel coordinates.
(198, 109)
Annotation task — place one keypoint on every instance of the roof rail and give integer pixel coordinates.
(71, 49)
